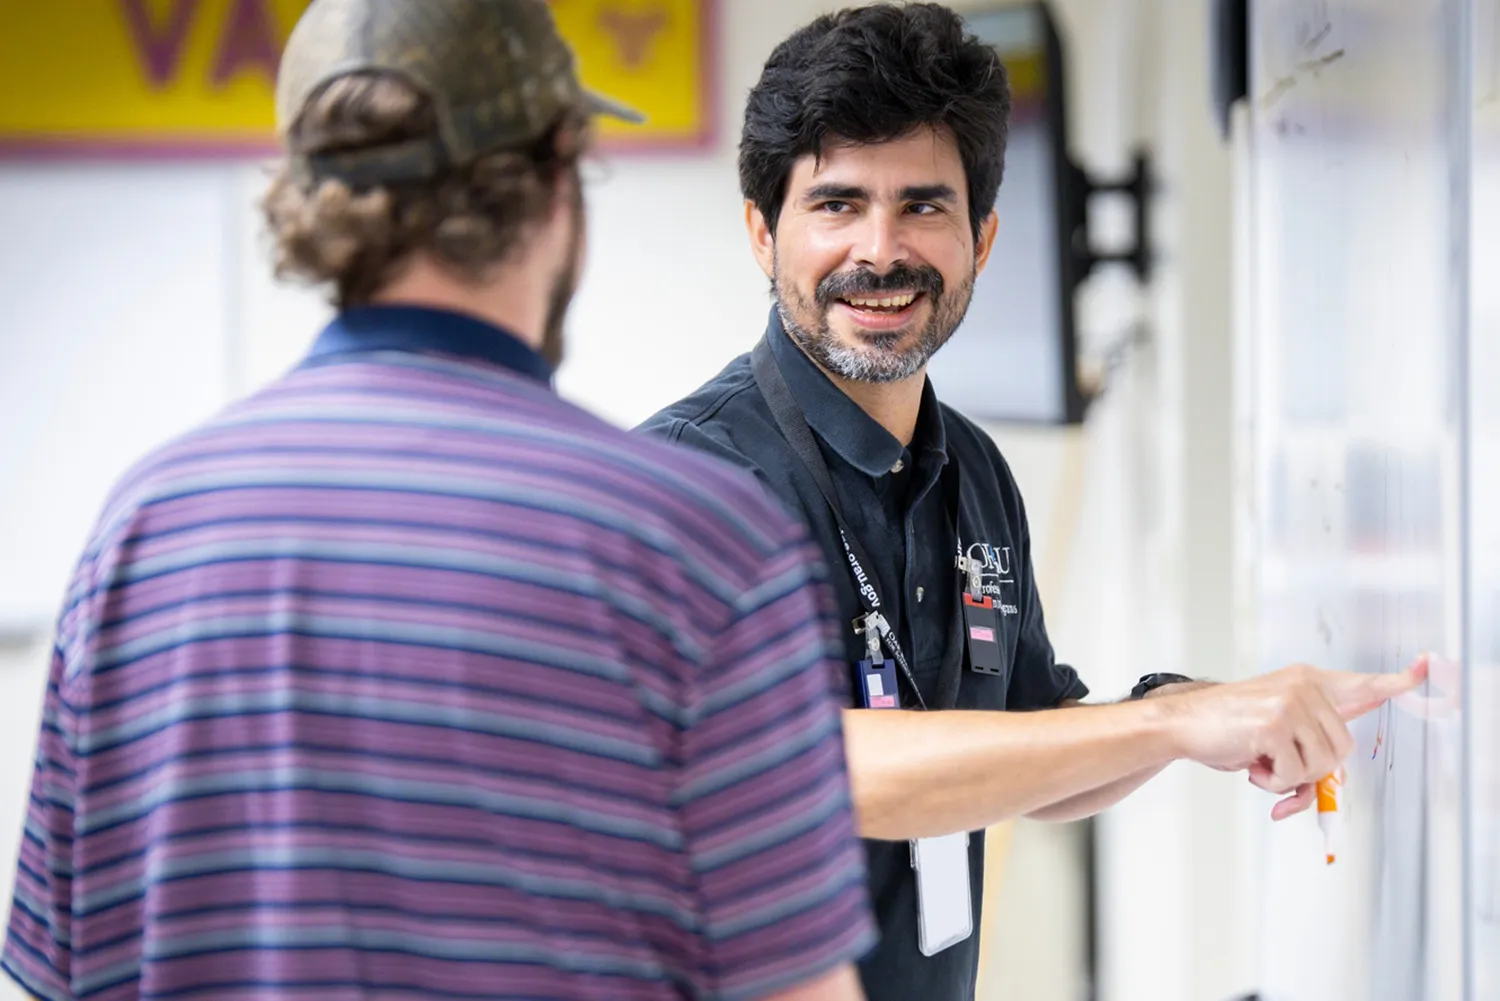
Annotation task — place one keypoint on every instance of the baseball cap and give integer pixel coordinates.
(497, 73)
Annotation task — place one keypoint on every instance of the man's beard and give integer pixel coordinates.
(877, 357)
(563, 287)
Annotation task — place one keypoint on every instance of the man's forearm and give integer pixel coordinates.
(1097, 800)
(918, 774)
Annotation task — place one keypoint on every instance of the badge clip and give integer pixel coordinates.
(872, 626)
(974, 571)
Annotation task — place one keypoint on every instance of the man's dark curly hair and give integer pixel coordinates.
(869, 75)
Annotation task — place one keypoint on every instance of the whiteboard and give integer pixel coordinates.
(1363, 474)
(1483, 581)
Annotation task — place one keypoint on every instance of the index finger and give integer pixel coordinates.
(1301, 800)
(1353, 695)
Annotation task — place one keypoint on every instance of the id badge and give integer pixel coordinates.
(877, 684)
(945, 907)
(982, 633)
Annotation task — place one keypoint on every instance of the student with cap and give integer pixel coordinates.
(870, 158)
(404, 678)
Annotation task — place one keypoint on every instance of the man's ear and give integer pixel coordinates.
(986, 242)
(568, 216)
(762, 240)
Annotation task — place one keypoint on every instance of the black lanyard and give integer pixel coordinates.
(793, 424)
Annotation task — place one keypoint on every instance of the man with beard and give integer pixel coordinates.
(870, 160)
(405, 678)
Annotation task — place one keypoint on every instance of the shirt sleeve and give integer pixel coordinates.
(38, 953)
(763, 797)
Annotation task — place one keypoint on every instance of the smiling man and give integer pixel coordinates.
(871, 157)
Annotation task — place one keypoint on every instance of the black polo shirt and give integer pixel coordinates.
(895, 499)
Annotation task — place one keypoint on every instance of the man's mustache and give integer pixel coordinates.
(864, 282)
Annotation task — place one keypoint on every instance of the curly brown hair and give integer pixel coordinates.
(470, 218)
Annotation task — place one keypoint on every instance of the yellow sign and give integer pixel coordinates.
(654, 55)
(165, 76)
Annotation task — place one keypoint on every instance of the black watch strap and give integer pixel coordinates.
(1154, 681)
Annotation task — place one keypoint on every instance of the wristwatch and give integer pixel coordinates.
(1154, 681)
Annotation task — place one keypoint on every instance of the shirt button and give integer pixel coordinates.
(919, 594)
(900, 465)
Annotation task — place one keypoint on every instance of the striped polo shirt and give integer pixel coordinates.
(405, 678)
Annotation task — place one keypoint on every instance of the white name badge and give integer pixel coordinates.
(945, 909)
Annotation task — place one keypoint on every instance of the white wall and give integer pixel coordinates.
(1125, 512)
(1175, 859)
(1193, 825)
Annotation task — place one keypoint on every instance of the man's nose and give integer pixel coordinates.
(879, 244)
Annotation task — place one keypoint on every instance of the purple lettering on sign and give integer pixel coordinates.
(249, 41)
(634, 31)
(160, 50)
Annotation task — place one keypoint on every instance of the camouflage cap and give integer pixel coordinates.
(497, 72)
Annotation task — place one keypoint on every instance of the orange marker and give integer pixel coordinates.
(1330, 811)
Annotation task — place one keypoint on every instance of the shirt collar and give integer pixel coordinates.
(426, 330)
(856, 436)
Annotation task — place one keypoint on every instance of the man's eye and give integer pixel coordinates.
(924, 208)
(835, 207)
